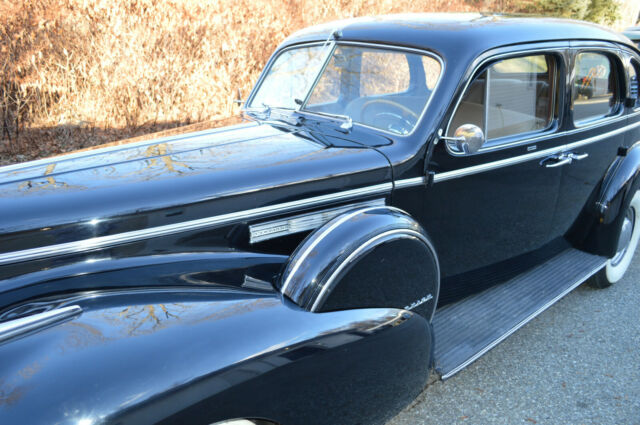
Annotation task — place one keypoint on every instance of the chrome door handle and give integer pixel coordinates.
(561, 161)
(578, 156)
(556, 160)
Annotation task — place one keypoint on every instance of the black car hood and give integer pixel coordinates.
(171, 180)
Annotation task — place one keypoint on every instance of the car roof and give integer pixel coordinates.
(451, 32)
(633, 33)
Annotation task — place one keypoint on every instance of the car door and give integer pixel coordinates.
(595, 127)
(490, 213)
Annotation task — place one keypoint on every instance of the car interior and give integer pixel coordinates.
(519, 97)
(380, 88)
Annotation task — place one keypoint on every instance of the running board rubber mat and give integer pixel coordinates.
(466, 330)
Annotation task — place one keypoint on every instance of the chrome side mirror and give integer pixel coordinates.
(467, 139)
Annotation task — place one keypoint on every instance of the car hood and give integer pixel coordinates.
(164, 181)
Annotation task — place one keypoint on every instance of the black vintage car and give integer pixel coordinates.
(409, 190)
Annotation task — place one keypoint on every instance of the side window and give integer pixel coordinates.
(634, 70)
(431, 68)
(513, 96)
(594, 87)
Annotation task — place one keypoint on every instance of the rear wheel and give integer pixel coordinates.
(629, 237)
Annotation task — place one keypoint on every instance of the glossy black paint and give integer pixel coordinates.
(475, 32)
(221, 171)
(164, 182)
(604, 215)
(188, 328)
(633, 34)
(485, 218)
(199, 356)
(353, 261)
(203, 269)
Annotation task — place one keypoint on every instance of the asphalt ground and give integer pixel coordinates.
(576, 363)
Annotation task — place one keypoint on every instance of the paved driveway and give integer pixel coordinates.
(576, 363)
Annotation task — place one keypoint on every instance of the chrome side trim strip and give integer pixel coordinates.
(416, 181)
(448, 175)
(302, 222)
(522, 323)
(214, 221)
(23, 325)
(601, 136)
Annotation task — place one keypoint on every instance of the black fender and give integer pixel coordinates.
(197, 269)
(597, 230)
(200, 356)
(369, 257)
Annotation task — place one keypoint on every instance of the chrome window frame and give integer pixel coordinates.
(630, 60)
(533, 136)
(619, 111)
(378, 46)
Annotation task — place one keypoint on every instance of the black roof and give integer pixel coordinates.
(448, 32)
(633, 33)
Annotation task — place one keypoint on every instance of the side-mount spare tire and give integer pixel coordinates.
(368, 257)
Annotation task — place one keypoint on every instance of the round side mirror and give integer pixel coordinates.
(468, 139)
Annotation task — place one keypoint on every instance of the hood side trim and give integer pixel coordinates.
(300, 223)
(23, 325)
(213, 221)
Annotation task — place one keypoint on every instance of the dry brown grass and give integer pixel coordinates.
(76, 73)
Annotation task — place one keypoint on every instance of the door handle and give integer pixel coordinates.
(578, 156)
(564, 158)
(556, 160)
(559, 163)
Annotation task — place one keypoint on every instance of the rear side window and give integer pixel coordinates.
(512, 97)
(633, 82)
(594, 88)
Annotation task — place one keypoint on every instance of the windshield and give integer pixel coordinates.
(382, 88)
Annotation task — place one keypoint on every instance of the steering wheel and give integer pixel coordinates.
(402, 122)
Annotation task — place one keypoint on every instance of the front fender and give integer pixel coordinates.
(199, 356)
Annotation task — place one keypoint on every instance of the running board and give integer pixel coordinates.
(466, 330)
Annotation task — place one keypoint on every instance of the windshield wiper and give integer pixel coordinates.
(296, 117)
(272, 115)
(345, 121)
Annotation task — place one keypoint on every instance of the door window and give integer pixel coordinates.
(512, 97)
(594, 88)
(633, 82)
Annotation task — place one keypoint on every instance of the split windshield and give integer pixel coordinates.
(382, 88)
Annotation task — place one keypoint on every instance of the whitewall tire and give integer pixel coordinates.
(617, 266)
